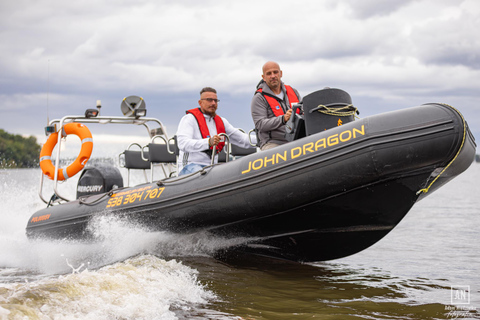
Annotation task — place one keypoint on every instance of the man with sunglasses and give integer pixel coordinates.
(198, 134)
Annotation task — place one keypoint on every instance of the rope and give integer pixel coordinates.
(81, 200)
(345, 111)
(176, 179)
(425, 190)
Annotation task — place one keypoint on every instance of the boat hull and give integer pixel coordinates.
(325, 196)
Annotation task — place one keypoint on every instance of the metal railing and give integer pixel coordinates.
(59, 124)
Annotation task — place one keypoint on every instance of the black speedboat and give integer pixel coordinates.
(337, 188)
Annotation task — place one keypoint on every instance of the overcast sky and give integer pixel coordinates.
(59, 57)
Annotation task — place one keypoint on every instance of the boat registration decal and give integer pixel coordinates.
(134, 195)
(310, 147)
(40, 218)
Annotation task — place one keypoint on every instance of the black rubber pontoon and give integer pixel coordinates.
(324, 196)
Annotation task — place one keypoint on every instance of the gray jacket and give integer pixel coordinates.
(269, 127)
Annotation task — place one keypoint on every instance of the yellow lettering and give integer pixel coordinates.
(130, 191)
(355, 130)
(249, 168)
(284, 157)
(160, 191)
(308, 147)
(320, 143)
(298, 154)
(111, 202)
(256, 167)
(272, 160)
(153, 193)
(332, 140)
(349, 136)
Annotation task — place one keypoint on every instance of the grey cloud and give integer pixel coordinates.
(371, 8)
(452, 41)
(386, 55)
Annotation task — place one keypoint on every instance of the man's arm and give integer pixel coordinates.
(263, 117)
(189, 138)
(238, 137)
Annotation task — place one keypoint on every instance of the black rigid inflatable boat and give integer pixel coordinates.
(325, 195)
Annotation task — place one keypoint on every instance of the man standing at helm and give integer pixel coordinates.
(272, 106)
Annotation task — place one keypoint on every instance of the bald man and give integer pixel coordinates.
(272, 106)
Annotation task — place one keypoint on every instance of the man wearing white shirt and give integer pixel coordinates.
(198, 134)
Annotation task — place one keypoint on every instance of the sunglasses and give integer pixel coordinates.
(211, 100)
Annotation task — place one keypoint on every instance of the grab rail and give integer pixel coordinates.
(227, 146)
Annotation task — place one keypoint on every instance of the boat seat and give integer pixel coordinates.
(235, 151)
(222, 156)
(133, 159)
(158, 153)
(162, 154)
(240, 152)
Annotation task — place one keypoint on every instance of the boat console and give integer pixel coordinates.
(320, 110)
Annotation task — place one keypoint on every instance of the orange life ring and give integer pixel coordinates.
(46, 164)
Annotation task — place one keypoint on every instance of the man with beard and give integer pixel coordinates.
(198, 134)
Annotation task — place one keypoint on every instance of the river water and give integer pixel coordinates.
(428, 267)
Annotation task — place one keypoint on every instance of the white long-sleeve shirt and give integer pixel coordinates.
(191, 144)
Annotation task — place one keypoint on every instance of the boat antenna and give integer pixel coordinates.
(48, 89)
(48, 129)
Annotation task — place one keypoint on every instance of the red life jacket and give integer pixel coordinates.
(274, 102)
(202, 124)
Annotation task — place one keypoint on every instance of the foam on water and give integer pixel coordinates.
(116, 239)
(143, 287)
(127, 273)
(130, 273)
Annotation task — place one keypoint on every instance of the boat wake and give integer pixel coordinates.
(114, 240)
(127, 272)
(138, 288)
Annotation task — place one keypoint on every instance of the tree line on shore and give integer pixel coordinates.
(17, 151)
